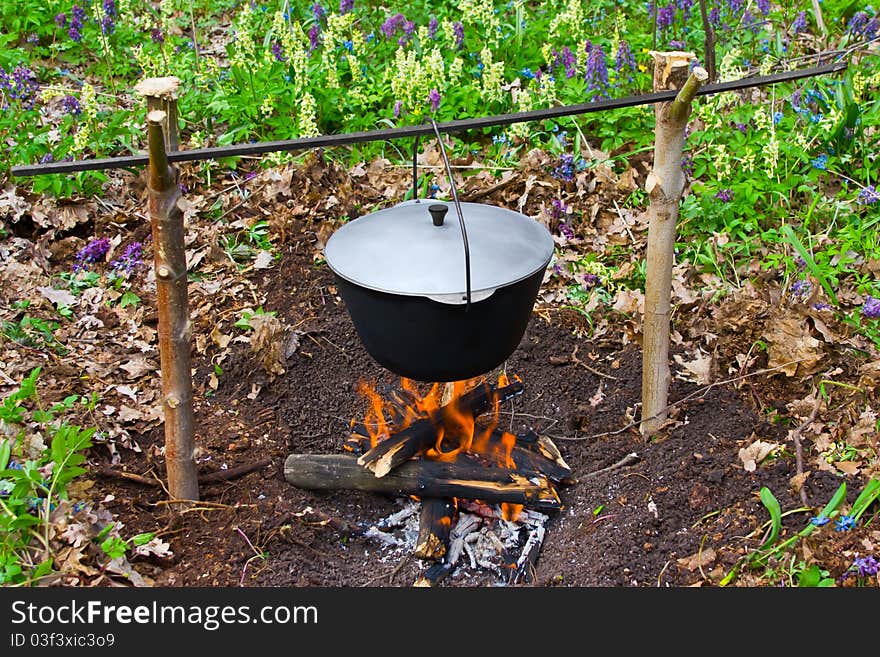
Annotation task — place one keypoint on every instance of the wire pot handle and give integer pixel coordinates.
(464, 237)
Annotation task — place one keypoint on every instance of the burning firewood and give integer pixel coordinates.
(423, 433)
(531, 454)
(425, 478)
(435, 525)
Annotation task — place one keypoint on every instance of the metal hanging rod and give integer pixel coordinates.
(460, 125)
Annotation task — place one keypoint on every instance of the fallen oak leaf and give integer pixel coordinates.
(701, 559)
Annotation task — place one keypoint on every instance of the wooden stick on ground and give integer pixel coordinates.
(423, 478)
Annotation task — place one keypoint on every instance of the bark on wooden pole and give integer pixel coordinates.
(664, 185)
(174, 327)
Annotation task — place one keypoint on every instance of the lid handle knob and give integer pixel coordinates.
(438, 213)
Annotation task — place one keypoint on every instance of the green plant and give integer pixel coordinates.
(33, 332)
(40, 455)
(244, 321)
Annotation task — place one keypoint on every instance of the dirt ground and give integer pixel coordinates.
(683, 513)
(683, 509)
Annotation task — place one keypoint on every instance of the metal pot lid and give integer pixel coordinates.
(400, 250)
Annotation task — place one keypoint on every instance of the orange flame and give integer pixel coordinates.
(456, 430)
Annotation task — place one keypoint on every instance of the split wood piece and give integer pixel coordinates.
(423, 478)
(532, 454)
(466, 525)
(435, 523)
(422, 434)
(523, 570)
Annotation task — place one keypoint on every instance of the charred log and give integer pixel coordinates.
(423, 478)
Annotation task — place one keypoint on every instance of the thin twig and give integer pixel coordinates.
(698, 391)
(799, 451)
(629, 459)
(578, 361)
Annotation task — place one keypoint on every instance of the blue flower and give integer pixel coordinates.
(777, 117)
(844, 523)
(820, 162)
(868, 196)
(820, 520)
(527, 73)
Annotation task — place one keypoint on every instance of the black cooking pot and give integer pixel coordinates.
(435, 301)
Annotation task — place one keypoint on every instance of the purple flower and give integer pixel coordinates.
(131, 259)
(74, 34)
(687, 164)
(558, 209)
(392, 24)
(590, 280)
(742, 127)
(725, 195)
(800, 23)
(868, 196)
(801, 288)
(61, 20)
(715, 17)
(48, 157)
(665, 17)
(565, 230)
(625, 60)
(458, 31)
(278, 52)
(434, 99)
(109, 7)
(566, 59)
(107, 25)
(314, 37)
(398, 105)
(90, 253)
(866, 566)
(21, 85)
(78, 14)
(318, 11)
(844, 523)
(345, 6)
(433, 26)
(565, 169)
(871, 308)
(677, 45)
(763, 7)
(71, 105)
(597, 72)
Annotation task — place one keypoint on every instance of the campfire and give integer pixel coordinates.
(474, 488)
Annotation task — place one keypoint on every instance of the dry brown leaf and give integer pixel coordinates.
(267, 342)
(698, 368)
(848, 467)
(58, 297)
(699, 560)
(137, 366)
(752, 455)
(791, 346)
